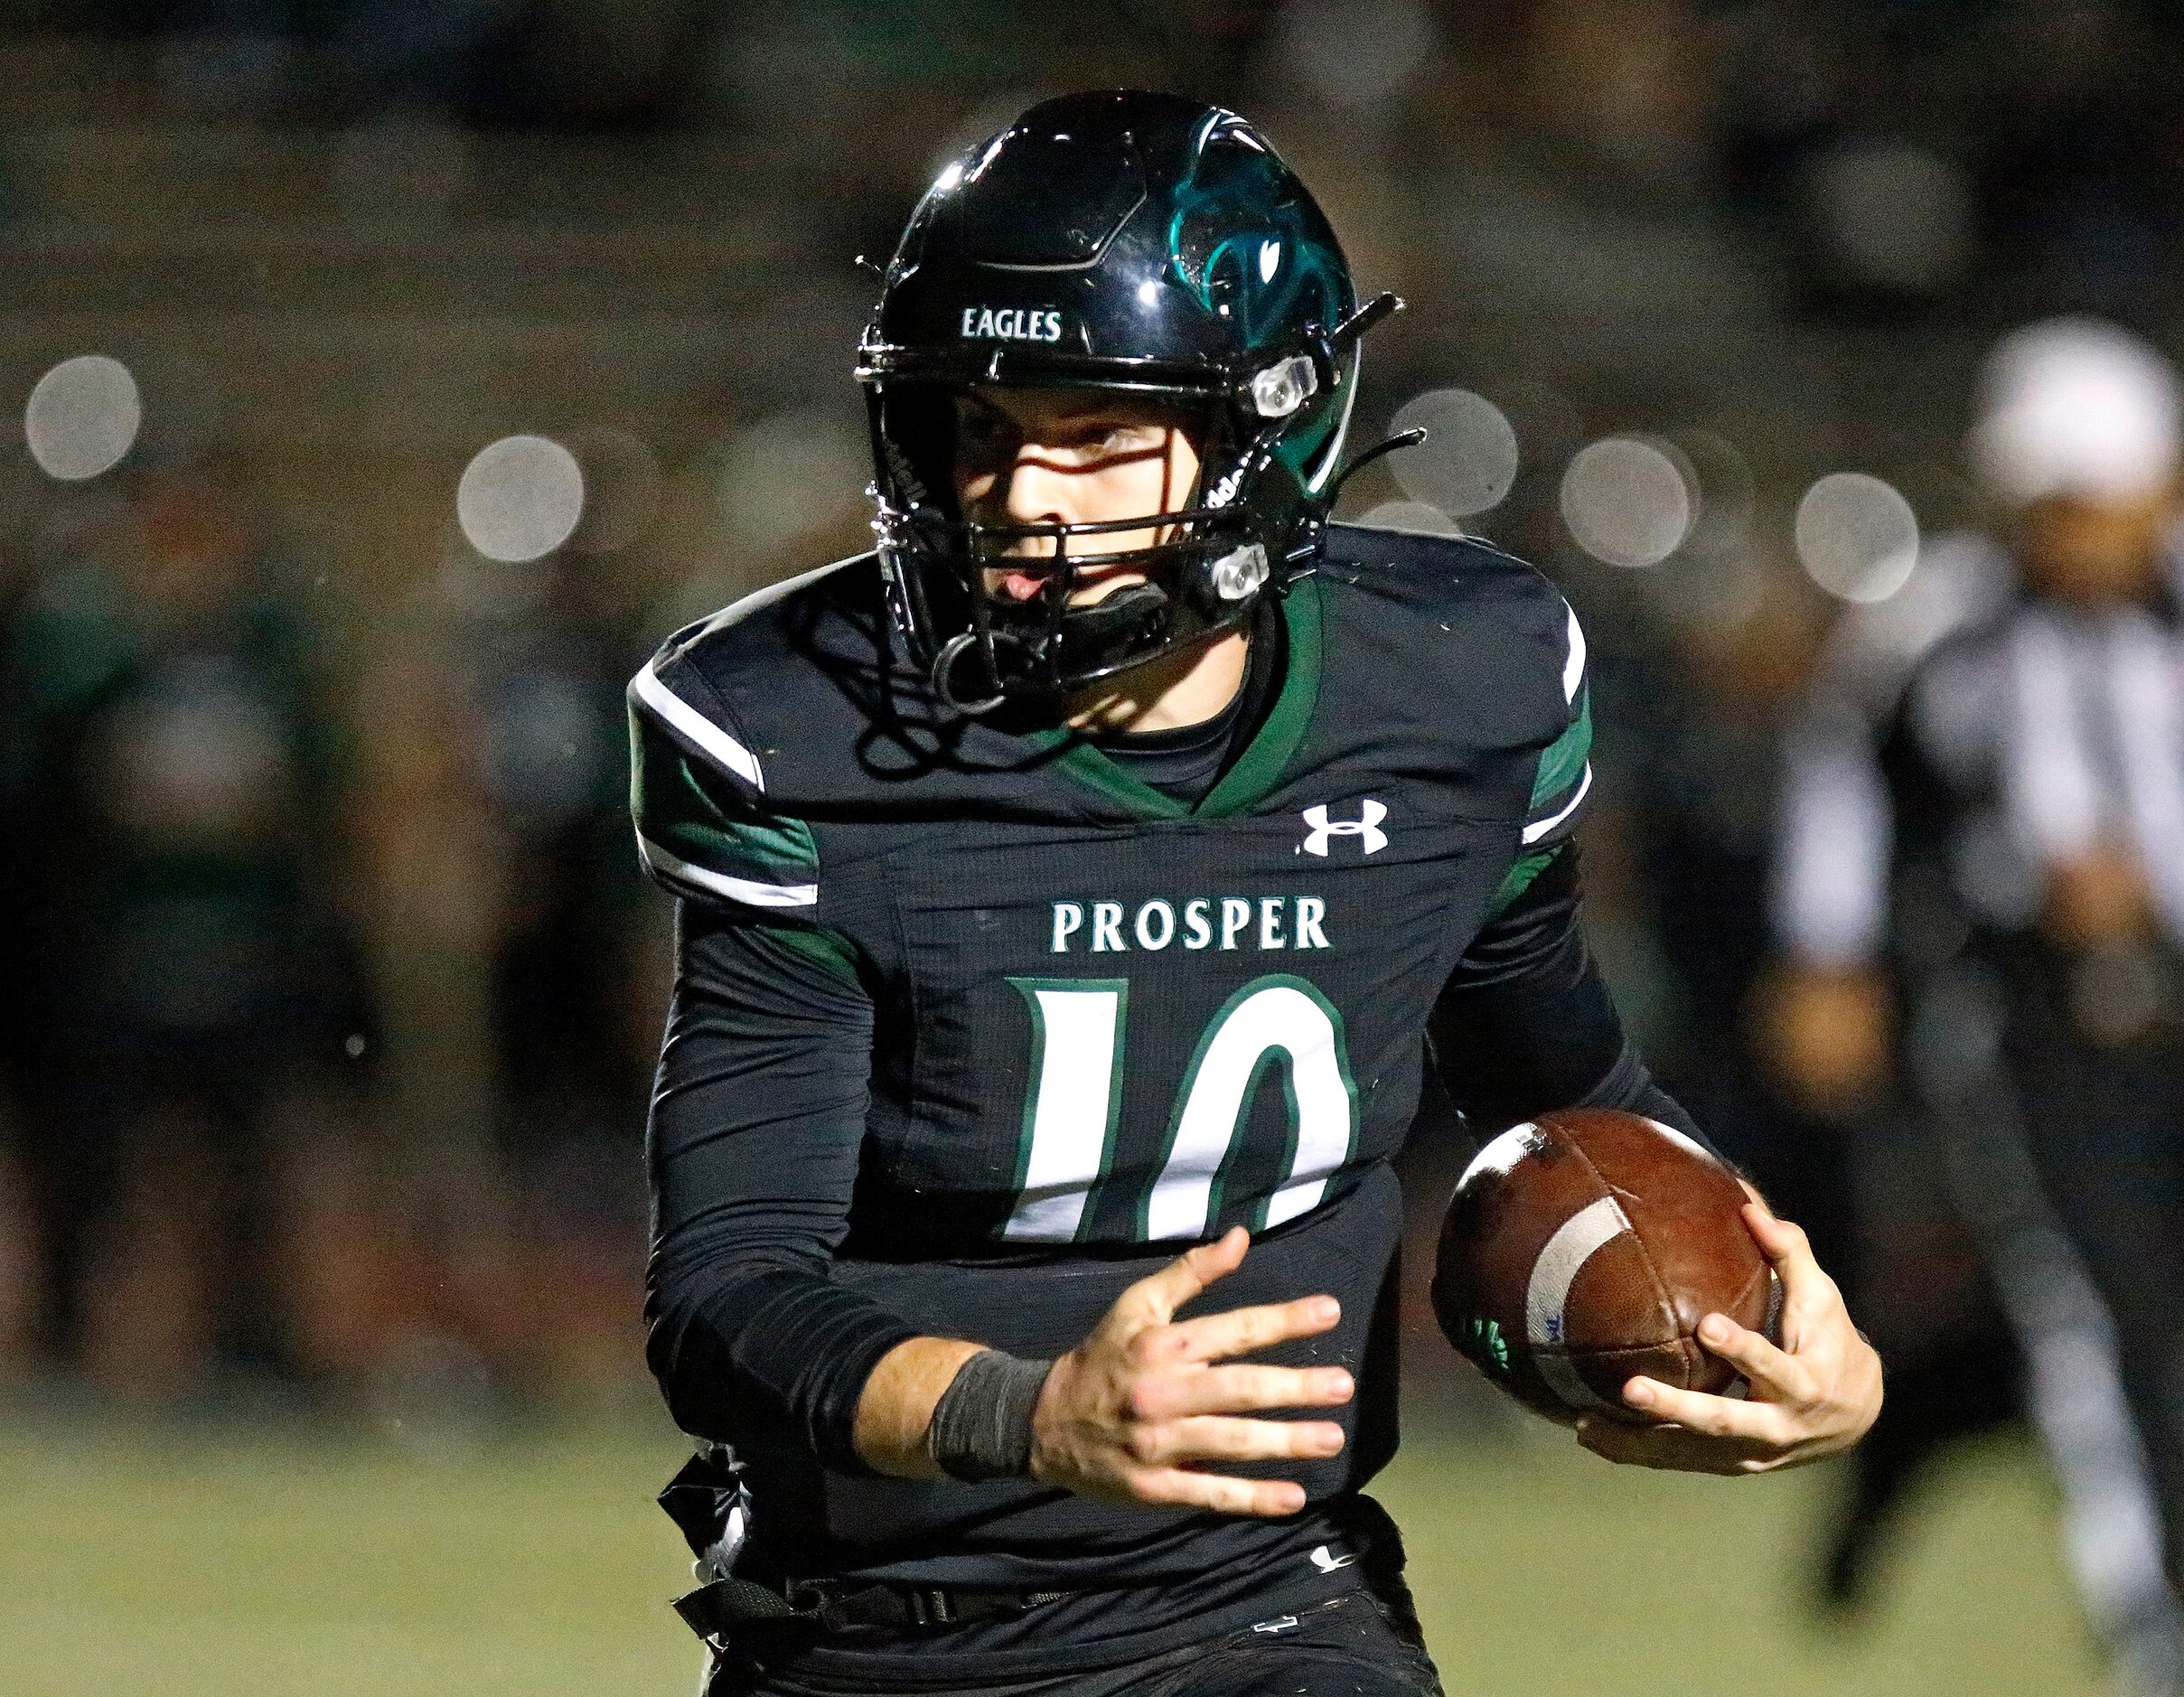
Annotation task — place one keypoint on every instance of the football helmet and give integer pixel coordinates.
(1127, 241)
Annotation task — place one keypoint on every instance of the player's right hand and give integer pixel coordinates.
(1125, 1415)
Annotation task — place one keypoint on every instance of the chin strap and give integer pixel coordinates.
(942, 675)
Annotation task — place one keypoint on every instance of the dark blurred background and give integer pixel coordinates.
(388, 377)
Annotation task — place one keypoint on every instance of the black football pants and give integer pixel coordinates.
(2105, 1127)
(1357, 1645)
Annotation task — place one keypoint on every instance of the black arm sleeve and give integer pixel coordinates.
(757, 1116)
(1525, 1024)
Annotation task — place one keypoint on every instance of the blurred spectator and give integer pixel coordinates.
(1894, 155)
(576, 975)
(520, 971)
(167, 760)
(1986, 827)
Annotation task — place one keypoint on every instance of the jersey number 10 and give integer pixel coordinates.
(1068, 1139)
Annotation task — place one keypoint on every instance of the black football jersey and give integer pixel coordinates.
(1104, 1018)
(1107, 1025)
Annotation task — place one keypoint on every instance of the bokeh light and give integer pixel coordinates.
(82, 418)
(1728, 493)
(519, 498)
(1857, 538)
(1628, 500)
(791, 475)
(1468, 460)
(1895, 217)
(1418, 518)
(1356, 53)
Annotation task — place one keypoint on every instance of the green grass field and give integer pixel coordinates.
(216, 1560)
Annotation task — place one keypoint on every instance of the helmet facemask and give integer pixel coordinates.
(1236, 532)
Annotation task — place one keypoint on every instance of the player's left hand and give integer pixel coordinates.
(1814, 1395)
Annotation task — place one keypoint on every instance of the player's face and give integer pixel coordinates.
(2096, 551)
(1069, 456)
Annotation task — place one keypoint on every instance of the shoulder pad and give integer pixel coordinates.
(702, 834)
(720, 685)
(698, 782)
(1524, 636)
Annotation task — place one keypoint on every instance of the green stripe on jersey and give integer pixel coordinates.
(1519, 877)
(827, 949)
(708, 825)
(1563, 763)
(1261, 765)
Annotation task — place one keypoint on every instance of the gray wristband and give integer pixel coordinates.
(982, 1426)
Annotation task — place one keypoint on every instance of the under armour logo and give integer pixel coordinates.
(1367, 828)
(1327, 1561)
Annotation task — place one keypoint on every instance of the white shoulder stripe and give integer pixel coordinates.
(1573, 668)
(1534, 832)
(743, 890)
(697, 728)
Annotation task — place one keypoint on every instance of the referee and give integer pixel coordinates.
(1984, 811)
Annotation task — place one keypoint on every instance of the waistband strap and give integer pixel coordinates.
(828, 1605)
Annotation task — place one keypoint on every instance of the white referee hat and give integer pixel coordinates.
(2075, 407)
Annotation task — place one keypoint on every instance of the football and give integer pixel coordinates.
(1585, 1246)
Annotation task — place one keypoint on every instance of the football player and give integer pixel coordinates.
(1071, 893)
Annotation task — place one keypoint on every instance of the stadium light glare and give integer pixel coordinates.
(1468, 463)
(1856, 537)
(82, 418)
(1628, 500)
(520, 498)
(1357, 55)
(773, 476)
(1728, 493)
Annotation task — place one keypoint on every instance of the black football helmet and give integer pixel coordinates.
(1120, 240)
